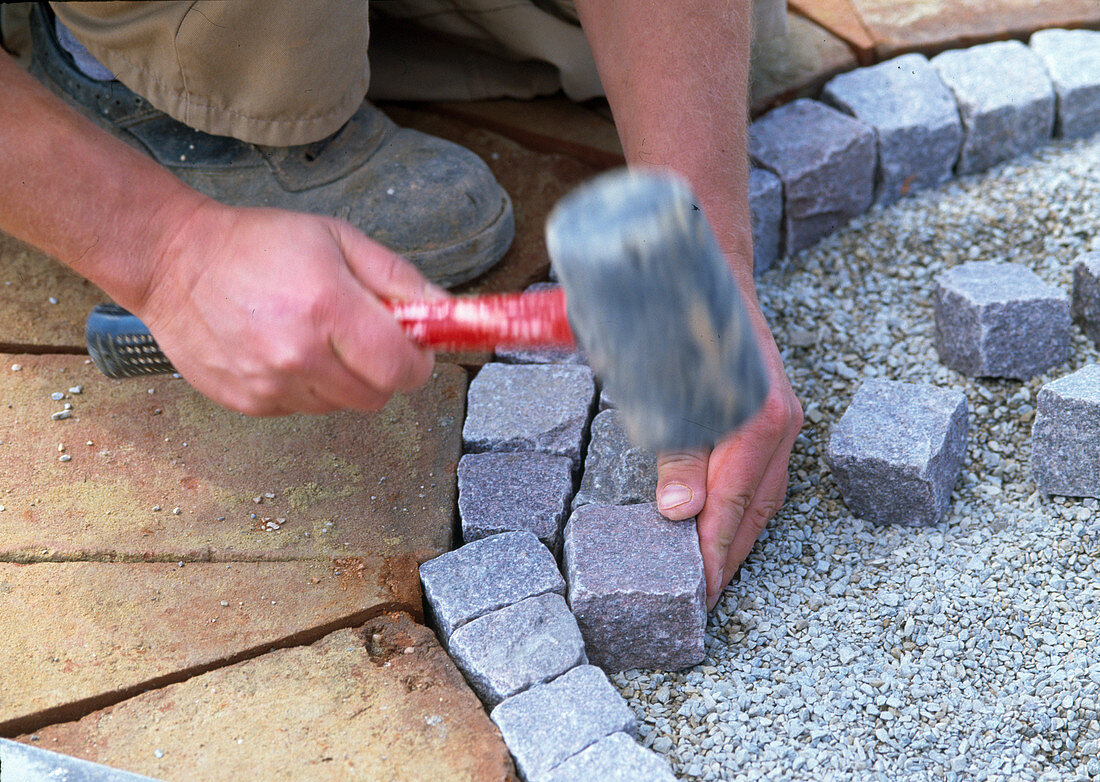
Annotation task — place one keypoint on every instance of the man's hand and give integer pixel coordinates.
(736, 488)
(271, 312)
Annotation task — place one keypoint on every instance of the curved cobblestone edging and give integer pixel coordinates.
(890, 130)
(879, 134)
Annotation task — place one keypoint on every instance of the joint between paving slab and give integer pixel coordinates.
(71, 712)
(26, 348)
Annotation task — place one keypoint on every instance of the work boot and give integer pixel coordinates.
(432, 201)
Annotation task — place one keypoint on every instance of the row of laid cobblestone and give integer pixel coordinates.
(890, 130)
(634, 581)
(497, 604)
(899, 447)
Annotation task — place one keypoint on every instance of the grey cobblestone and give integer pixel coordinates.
(552, 722)
(1065, 440)
(766, 209)
(507, 651)
(1005, 98)
(897, 451)
(506, 492)
(1086, 294)
(529, 407)
(616, 758)
(616, 472)
(826, 162)
(999, 320)
(915, 119)
(487, 575)
(1072, 58)
(636, 586)
(541, 355)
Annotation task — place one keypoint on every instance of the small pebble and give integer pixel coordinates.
(57, 396)
(61, 415)
(16, 367)
(64, 457)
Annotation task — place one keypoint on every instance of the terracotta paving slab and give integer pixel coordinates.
(28, 280)
(382, 703)
(348, 484)
(930, 26)
(840, 18)
(81, 635)
(535, 180)
(797, 64)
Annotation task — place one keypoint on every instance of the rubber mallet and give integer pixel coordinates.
(645, 292)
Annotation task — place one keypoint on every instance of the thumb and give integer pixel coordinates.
(681, 483)
(381, 270)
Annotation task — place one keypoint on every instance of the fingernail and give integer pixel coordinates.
(673, 496)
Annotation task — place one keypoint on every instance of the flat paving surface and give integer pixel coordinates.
(346, 484)
(117, 629)
(382, 702)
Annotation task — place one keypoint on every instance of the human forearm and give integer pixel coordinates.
(676, 77)
(81, 195)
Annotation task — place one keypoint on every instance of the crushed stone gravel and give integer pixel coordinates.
(967, 650)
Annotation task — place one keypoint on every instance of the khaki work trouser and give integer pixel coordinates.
(253, 69)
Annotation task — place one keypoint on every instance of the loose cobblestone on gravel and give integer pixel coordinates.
(1065, 441)
(965, 650)
(897, 451)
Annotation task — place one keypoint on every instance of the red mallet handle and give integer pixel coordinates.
(487, 322)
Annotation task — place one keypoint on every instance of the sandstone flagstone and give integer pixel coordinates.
(930, 26)
(42, 303)
(381, 702)
(79, 635)
(796, 64)
(340, 485)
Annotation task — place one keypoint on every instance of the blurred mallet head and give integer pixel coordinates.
(652, 301)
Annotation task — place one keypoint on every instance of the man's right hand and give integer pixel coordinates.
(270, 312)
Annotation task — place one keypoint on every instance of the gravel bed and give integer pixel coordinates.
(967, 650)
